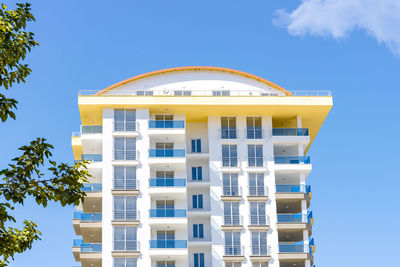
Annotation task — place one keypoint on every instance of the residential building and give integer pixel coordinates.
(197, 167)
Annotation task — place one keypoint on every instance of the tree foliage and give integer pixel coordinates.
(34, 173)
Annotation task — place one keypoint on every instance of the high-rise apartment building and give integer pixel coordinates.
(197, 167)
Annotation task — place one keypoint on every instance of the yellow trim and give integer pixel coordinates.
(77, 148)
(313, 110)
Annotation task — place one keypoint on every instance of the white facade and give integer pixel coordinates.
(183, 217)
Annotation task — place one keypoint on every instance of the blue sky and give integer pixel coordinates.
(93, 44)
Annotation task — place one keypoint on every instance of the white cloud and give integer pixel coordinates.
(338, 18)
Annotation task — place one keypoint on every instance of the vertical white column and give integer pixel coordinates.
(244, 207)
(217, 208)
(107, 203)
(143, 175)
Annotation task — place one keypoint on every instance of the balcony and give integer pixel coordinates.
(167, 156)
(125, 155)
(228, 134)
(166, 153)
(88, 225)
(298, 252)
(161, 124)
(91, 157)
(91, 129)
(168, 243)
(167, 182)
(254, 133)
(293, 247)
(168, 248)
(167, 213)
(257, 193)
(290, 132)
(92, 187)
(234, 250)
(293, 192)
(170, 186)
(298, 221)
(89, 254)
(292, 160)
(126, 245)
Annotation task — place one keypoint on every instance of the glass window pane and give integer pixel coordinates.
(119, 115)
(130, 115)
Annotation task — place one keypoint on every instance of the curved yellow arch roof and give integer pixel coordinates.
(242, 73)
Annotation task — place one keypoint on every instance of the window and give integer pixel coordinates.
(231, 213)
(125, 238)
(164, 150)
(165, 208)
(233, 264)
(229, 156)
(198, 259)
(197, 173)
(125, 208)
(260, 264)
(256, 184)
(198, 231)
(197, 201)
(230, 184)
(196, 145)
(124, 178)
(164, 178)
(124, 148)
(253, 130)
(255, 155)
(165, 239)
(125, 262)
(165, 264)
(257, 213)
(228, 128)
(124, 120)
(221, 93)
(183, 92)
(259, 243)
(144, 92)
(232, 243)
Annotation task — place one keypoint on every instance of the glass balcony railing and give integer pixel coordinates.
(167, 213)
(233, 250)
(289, 188)
(295, 218)
(166, 153)
(292, 160)
(293, 247)
(87, 247)
(92, 187)
(290, 131)
(168, 243)
(92, 157)
(91, 247)
(87, 217)
(167, 182)
(126, 245)
(91, 129)
(154, 124)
